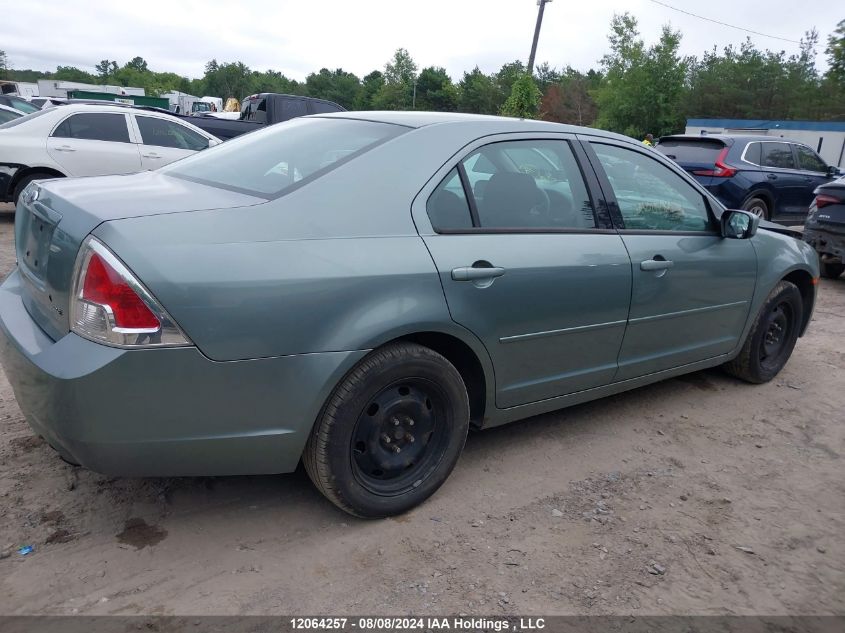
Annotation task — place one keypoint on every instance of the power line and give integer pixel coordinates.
(738, 28)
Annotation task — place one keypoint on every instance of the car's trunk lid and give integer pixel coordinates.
(53, 218)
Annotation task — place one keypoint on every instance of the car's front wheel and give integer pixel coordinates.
(758, 207)
(772, 337)
(390, 433)
(831, 270)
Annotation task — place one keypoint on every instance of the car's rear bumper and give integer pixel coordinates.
(826, 243)
(162, 412)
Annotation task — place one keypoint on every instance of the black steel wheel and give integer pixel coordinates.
(772, 337)
(391, 432)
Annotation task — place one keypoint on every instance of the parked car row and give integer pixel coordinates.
(773, 178)
(91, 140)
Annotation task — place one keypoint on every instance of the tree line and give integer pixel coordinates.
(635, 88)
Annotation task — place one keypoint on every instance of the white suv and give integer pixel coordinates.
(91, 140)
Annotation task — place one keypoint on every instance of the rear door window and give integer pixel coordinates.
(94, 127)
(808, 160)
(319, 107)
(529, 185)
(292, 108)
(778, 155)
(163, 133)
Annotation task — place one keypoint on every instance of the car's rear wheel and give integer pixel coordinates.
(758, 207)
(390, 433)
(831, 270)
(772, 337)
(26, 180)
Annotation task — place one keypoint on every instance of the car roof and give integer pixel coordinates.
(418, 119)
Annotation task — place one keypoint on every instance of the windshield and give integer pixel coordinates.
(24, 119)
(278, 159)
(22, 104)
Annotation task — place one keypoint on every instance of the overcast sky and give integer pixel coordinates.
(299, 37)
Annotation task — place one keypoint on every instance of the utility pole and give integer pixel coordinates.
(542, 5)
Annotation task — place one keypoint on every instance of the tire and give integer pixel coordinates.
(758, 206)
(25, 181)
(772, 337)
(390, 433)
(831, 270)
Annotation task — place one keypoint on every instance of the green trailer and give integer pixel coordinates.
(155, 102)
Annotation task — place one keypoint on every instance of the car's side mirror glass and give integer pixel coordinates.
(739, 225)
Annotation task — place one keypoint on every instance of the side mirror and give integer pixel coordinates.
(833, 171)
(739, 225)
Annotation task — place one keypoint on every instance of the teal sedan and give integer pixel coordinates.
(357, 290)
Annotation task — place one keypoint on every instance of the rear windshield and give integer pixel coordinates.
(273, 161)
(693, 150)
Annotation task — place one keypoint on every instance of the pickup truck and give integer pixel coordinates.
(262, 109)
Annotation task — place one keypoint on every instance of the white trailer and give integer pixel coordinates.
(60, 88)
(24, 89)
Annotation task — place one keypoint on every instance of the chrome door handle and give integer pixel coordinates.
(65, 148)
(151, 155)
(656, 264)
(472, 273)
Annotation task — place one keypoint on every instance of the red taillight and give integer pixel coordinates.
(722, 170)
(822, 200)
(105, 287)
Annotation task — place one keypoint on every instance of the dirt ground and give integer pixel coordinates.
(699, 495)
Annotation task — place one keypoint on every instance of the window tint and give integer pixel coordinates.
(292, 108)
(94, 127)
(777, 155)
(688, 150)
(809, 160)
(448, 207)
(318, 107)
(284, 156)
(163, 133)
(752, 153)
(529, 185)
(650, 195)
